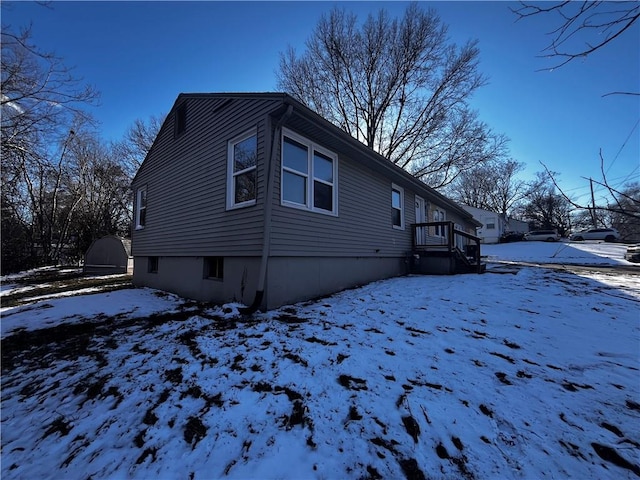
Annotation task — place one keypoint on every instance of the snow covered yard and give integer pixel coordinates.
(528, 374)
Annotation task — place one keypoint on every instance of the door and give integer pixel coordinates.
(421, 217)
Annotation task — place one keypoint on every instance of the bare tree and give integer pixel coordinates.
(39, 94)
(100, 181)
(618, 203)
(491, 186)
(40, 99)
(137, 141)
(545, 207)
(582, 26)
(398, 86)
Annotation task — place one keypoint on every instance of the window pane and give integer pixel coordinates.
(244, 154)
(395, 199)
(323, 196)
(295, 155)
(143, 198)
(397, 220)
(322, 167)
(294, 188)
(245, 186)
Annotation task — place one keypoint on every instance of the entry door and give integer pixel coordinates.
(421, 217)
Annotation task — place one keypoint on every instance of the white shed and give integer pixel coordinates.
(109, 255)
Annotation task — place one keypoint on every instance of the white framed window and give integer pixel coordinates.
(439, 216)
(241, 170)
(308, 176)
(397, 207)
(141, 208)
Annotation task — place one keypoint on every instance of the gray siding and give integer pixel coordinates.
(186, 183)
(362, 228)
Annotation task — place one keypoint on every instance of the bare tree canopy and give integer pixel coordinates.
(582, 27)
(544, 207)
(491, 186)
(137, 141)
(398, 86)
(39, 93)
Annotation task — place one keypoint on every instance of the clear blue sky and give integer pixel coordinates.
(141, 55)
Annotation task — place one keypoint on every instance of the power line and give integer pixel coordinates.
(623, 145)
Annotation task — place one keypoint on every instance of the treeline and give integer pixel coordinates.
(62, 185)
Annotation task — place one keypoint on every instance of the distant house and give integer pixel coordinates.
(254, 198)
(494, 225)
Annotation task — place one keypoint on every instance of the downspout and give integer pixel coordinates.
(268, 206)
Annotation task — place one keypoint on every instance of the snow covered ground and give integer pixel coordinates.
(528, 373)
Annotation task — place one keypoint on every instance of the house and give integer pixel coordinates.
(494, 225)
(254, 198)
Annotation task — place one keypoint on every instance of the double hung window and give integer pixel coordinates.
(397, 207)
(309, 174)
(242, 166)
(141, 208)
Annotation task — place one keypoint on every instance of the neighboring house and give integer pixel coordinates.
(519, 226)
(494, 225)
(254, 198)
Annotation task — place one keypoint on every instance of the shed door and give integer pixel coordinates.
(421, 217)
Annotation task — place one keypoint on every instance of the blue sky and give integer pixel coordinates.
(141, 55)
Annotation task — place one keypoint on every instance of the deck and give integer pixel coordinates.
(440, 248)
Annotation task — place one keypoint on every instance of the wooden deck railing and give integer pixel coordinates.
(444, 236)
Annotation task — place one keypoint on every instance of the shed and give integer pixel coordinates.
(109, 255)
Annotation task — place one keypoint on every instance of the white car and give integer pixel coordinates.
(606, 234)
(543, 235)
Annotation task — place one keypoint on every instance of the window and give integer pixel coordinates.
(439, 216)
(309, 175)
(241, 172)
(141, 208)
(152, 265)
(214, 268)
(397, 207)
(181, 119)
(491, 226)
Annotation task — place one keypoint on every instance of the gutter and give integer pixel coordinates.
(268, 206)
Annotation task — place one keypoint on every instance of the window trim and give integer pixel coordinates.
(439, 215)
(400, 190)
(231, 175)
(309, 177)
(140, 208)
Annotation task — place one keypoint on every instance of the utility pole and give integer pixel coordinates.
(592, 210)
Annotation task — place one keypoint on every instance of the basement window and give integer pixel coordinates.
(214, 268)
(152, 265)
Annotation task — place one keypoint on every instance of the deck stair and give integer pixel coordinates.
(441, 248)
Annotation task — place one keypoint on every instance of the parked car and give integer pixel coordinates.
(606, 234)
(633, 253)
(542, 236)
(507, 237)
